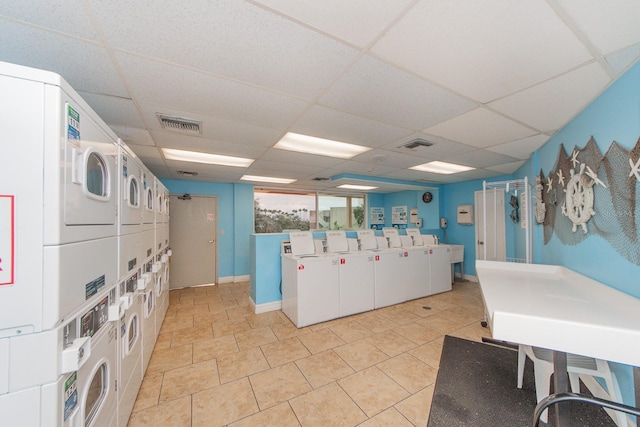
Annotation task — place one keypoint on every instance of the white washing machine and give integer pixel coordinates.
(390, 269)
(84, 392)
(59, 211)
(130, 345)
(356, 275)
(133, 250)
(310, 282)
(419, 282)
(28, 360)
(131, 191)
(440, 265)
(149, 334)
(161, 290)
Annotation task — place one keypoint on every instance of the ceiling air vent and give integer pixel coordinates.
(180, 124)
(187, 173)
(416, 144)
(319, 178)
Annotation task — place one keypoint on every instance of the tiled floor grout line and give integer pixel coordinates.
(458, 307)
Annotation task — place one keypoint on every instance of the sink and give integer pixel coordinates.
(457, 253)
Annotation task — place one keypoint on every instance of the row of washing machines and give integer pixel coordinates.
(84, 259)
(324, 279)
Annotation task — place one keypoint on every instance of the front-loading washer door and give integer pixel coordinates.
(90, 171)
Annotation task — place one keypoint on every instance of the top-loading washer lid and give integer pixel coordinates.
(392, 236)
(367, 239)
(337, 241)
(417, 237)
(302, 243)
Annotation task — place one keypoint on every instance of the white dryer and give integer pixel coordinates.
(310, 283)
(148, 199)
(130, 345)
(131, 191)
(356, 275)
(419, 282)
(62, 210)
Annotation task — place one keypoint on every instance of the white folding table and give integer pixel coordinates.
(556, 308)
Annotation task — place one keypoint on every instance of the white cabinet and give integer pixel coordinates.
(440, 263)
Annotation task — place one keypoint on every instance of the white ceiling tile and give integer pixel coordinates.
(623, 59)
(355, 21)
(381, 157)
(507, 168)
(478, 174)
(87, 67)
(211, 172)
(158, 168)
(131, 135)
(482, 48)
(423, 177)
(609, 25)
(561, 97)
(480, 128)
(521, 148)
(168, 139)
(440, 148)
(144, 151)
(378, 91)
(216, 128)
(312, 160)
(480, 159)
(64, 16)
(114, 110)
(364, 168)
(228, 38)
(192, 91)
(280, 169)
(332, 124)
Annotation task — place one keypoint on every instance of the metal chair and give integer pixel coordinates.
(576, 365)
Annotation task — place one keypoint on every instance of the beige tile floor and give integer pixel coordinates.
(216, 363)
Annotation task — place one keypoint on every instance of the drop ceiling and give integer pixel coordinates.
(486, 82)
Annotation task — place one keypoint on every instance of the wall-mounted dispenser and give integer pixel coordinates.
(465, 214)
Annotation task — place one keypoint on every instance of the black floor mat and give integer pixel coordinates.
(476, 387)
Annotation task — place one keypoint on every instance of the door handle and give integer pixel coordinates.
(211, 241)
(480, 242)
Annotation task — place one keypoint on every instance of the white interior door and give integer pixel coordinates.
(192, 233)
(492, 244)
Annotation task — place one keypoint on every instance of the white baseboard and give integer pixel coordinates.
(234, 279)
(266, 307)
(470, 278)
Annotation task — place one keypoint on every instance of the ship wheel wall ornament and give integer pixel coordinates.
(578, 205)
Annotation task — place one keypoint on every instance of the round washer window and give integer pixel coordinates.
(96, 175)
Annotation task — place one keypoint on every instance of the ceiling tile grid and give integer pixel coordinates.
(486, 82)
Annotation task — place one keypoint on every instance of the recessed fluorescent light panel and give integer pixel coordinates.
(441, 167)
(356, 187)
(323, 147)
(212, 159)
(271, 179)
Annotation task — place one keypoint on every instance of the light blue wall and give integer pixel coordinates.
(613, 116)
(429, 212)
(235, 221)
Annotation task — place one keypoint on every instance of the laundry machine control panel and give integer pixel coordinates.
(95, 318)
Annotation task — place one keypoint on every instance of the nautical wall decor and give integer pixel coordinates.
(590, 193)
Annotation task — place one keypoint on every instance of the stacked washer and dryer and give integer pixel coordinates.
(73, 253)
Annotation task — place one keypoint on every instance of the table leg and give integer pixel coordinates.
(636, 383)
(560, 385)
